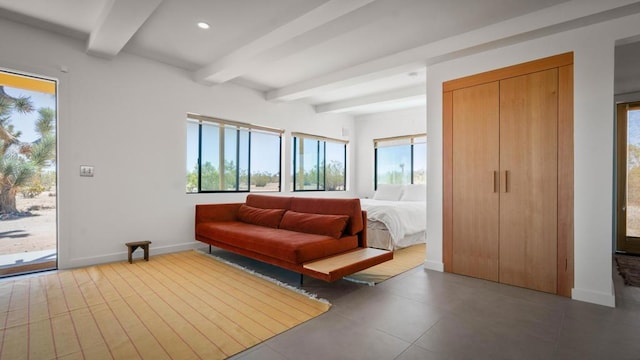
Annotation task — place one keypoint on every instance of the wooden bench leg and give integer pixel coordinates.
(146, 252)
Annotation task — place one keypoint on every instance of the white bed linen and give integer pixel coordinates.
(401, 218)
(379, 237)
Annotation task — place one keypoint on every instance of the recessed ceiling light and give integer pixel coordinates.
(203, 25)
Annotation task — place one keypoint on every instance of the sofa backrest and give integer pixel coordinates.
(350, 207)
(326, 206)
(268, 202)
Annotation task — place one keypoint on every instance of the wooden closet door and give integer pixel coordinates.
(529, 174)
(475, 189)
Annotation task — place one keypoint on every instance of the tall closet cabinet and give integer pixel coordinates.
(508, 175)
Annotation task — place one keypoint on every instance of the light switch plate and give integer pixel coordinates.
(86, 170)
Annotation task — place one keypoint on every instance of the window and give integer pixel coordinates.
(401, 160)
(229, 156)
(319, 163)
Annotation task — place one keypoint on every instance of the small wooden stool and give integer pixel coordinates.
(134, 245)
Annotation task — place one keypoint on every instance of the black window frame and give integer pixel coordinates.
(239, 127)
(411, 140)
(296, 136)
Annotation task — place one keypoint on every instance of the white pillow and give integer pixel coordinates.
(414, 192)
(388, 192)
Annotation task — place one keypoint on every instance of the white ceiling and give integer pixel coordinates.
(353, 56)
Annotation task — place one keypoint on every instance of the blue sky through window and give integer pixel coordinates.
(25, 123)
(633, 121)
(261, 160)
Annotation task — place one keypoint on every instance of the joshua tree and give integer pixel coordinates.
(20, 162)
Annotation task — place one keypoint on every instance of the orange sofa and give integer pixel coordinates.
(293, 233)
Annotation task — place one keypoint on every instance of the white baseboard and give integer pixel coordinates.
(122, 256)
(594, 297)
(434, 265)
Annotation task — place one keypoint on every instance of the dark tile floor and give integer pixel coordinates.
(425, 314)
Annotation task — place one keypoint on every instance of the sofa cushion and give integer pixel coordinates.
(326, 206)
(286, 245)
(257, 216)
(329, 225)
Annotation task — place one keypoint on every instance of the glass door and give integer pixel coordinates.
(628, 163)
(28, 225)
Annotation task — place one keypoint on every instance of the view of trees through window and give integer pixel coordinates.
(25, 165)
(232, 158)
(633, 173)
(401, 160)
(318, 164)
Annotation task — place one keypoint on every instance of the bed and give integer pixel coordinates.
(396, 216)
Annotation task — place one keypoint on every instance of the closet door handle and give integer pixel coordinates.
(495, 181)
(506, 181)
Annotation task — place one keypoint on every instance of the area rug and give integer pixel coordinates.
(629, 269)
(177, 306)
(403, 260)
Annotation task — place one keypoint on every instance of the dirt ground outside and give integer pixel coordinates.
(30, 233)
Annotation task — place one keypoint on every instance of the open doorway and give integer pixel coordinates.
(628, 155)
(28, 180)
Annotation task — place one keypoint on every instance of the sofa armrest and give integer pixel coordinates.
(216, 212)
(362, 235)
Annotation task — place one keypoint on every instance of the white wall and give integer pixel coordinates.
(593, 48)
(127, 117)
(368, 127)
